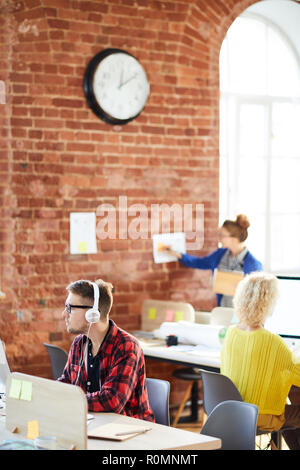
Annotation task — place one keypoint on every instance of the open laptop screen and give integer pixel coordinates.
(285, 320)
(4, 368)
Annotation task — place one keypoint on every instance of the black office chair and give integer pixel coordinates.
(234, 422)
(58, 359)
(218, 388)
(158, 394)
(192, 391)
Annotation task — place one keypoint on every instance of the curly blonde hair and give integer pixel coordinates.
(255, 298)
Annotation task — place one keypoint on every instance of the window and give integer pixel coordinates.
(259, 140)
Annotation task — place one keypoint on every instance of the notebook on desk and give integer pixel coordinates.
(117, 431)
(4, 368)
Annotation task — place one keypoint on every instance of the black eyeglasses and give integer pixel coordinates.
(69, 307)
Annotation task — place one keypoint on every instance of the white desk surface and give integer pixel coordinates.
(196, 356)
(158, 438)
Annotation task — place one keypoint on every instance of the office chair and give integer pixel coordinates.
(221, 316)
(158, 393)
(218, 316)
(218, 388)
(234, 422)
(58, 359)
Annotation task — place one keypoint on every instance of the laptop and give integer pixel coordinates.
(4, 369)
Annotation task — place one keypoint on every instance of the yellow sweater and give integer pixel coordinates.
(261, 366)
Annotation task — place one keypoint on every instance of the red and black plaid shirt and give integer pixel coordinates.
(121, 375)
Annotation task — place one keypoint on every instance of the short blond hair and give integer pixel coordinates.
(255, 298)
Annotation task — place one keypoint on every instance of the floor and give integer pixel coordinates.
(261, 441)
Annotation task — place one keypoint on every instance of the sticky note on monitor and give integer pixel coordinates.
(152, 313)
(32, 429)
(15, 389)
(26, 391)
(179, 316)
(20, 390)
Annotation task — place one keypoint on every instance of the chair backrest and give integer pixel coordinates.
(217, 388)
(203, 317)
(58, 359)
(221, 316)
(158, 393)
(155, 312)
(234, 422)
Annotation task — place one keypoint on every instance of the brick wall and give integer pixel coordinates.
(56, 156)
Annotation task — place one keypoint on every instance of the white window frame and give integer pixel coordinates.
(233, 160)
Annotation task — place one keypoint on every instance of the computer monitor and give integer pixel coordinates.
(4, 368)
(285, 320)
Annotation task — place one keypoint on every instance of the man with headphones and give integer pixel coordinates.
(104, 360)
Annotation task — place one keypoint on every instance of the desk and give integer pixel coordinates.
(158, 438)
(201, 358)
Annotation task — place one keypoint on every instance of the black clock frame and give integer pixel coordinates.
(89, 92)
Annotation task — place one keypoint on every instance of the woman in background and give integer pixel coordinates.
(259, 362)
(233, 256)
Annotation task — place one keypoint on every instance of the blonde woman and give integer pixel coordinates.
(258, 361)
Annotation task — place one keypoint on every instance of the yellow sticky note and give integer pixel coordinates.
(26, 391)
(15, 389)
(169, 315)
(179, 316)
(152, 313)
(82, 247)
(32, 429)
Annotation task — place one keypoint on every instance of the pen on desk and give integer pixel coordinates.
(136, 431)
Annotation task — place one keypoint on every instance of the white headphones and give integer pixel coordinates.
(93, 315)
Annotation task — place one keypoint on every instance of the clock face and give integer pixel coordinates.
(116, 86)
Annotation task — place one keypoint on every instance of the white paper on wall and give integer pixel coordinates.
(83, 233)
(174, 240)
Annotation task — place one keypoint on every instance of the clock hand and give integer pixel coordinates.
(126, 81)
(121, 79)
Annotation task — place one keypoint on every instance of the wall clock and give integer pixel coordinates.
(116, 86)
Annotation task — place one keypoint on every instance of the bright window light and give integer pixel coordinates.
(260, 141)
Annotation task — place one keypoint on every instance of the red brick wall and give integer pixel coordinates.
(56, 156)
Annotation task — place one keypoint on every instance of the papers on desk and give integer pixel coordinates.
(182, 348)
(117, 431)
(197, 350)
(189, 333)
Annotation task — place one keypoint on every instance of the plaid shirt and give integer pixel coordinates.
(121, 373)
